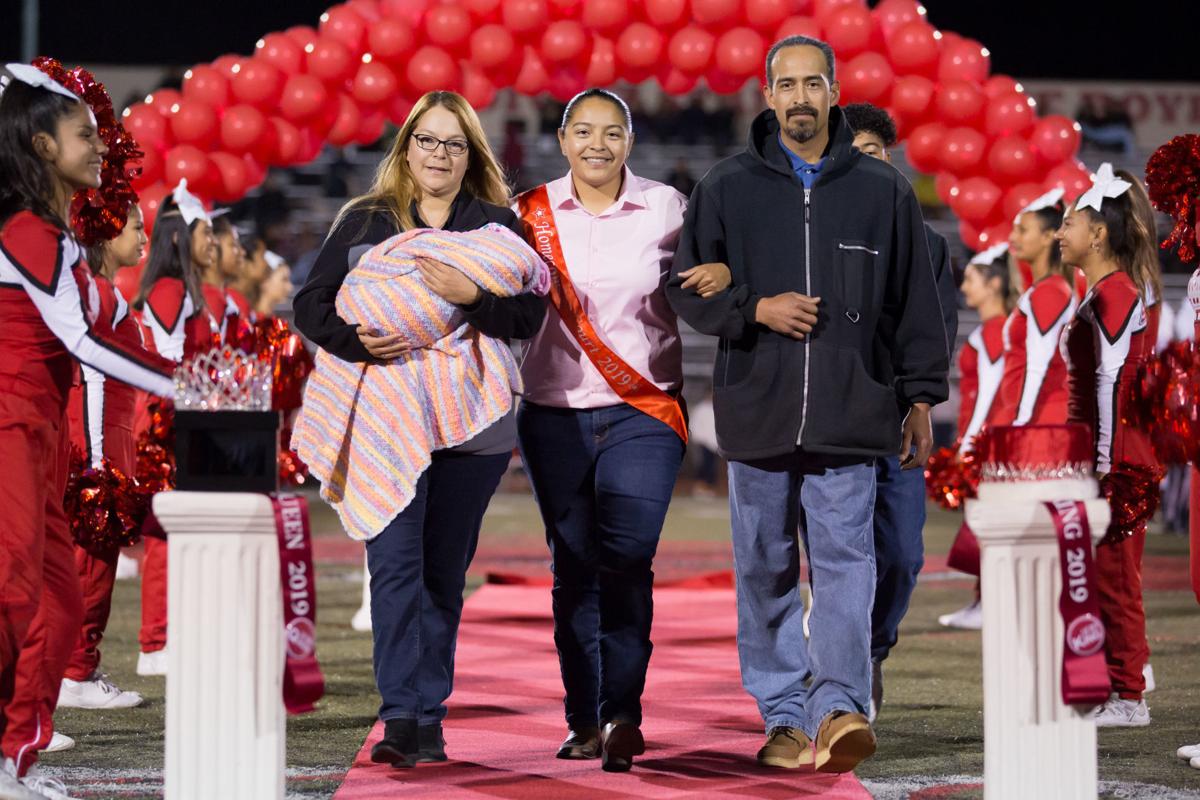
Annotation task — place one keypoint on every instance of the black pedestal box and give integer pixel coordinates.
(227, 451)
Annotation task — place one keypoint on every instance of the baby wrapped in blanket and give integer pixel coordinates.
(366, 430)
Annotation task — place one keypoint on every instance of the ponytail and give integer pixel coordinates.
(1146, 267)
(1004, 270)
(1050, 219)
(1128, 240)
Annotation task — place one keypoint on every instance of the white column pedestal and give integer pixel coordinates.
(1034, 745)
(226, 725)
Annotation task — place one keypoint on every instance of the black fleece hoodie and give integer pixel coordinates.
(857, 241)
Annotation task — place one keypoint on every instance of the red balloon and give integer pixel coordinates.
(348, 121)
(868, 77)
(913, 48)
(903, 124)
(185, 161)
(303, 97)
(798, 26)
(448, 25)
(912, 96)
(959, 102)
(924, 147)
(602, 66)
(371, 128)
(966, 60)
(288, 142)
(390, 39)
(476, 88)
(565, 83)
(302, 35)
(946, 186)
(691, 49)
(533, 77)
(311, 144)
(151, 164)
(1000, 85)
(606, 16)
(675, 81)
(1009, 114)
(399, 109)
(225, 65)
(409, 12)
(164, 100)
(149, 201)
(343, 24)
(740, 52)
(374, 84)
(369, 10)
(564, 40)
(969, 235)
(665, 13)
(329, 60)
(994, 234)
(194, 122)
(825, 10)
(1020, 196)
(146, 125)
(975, 199)
(492, 46)
(1070, 176)
(258, 83)
(128, 280)
(963, 150)
(766, 15)
(1055, 139)
(715, 12)
(280, 51)
(205, 84)
(431, 69)
(256, 173)
(241, 128)
(848, 30)
(892, 15)
(483, 9)
(233, 179)
(722, 82)
(524, 17)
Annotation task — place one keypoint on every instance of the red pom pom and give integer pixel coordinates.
(104, 506)
(1173, 181)
(951, 480)
(1165, 400)
(1132, 493)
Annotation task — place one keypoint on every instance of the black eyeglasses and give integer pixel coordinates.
(454, 147)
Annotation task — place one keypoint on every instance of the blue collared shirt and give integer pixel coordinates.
(806, 172)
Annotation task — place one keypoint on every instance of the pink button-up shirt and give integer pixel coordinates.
(618, 261)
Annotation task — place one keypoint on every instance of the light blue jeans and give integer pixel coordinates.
(827, 505)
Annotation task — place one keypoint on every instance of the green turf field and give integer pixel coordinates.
(931, 724)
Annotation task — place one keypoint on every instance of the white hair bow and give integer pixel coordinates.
(189, 205)
(1047, 200)
(985, 257)
(273, 259)
(33, 76)
(1105, 186)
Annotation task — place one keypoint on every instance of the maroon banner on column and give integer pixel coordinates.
(303, 684)
(1084, 672)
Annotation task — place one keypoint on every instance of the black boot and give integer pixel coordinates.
(399, 745)
(433, 746)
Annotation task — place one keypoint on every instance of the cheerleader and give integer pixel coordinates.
(276, 286)
(49, 150)
(231, 261)
(1104, 345)
(101, 419)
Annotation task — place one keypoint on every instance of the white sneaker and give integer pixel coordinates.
(58, 743)
(45, 786)
(1195, 762)
(152, 663)
(969, 618)
(1118, 713)
(11, 787)
(96, 692)
(1148, 674)
(1188, 752)
(127, 567)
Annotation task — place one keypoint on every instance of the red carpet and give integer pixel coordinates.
(505, 722)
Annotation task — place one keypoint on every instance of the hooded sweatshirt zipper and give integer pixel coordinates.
(807, 288)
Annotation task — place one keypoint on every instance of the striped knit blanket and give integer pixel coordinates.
(366, 430)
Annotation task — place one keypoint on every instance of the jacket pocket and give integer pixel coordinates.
(761, 410)
(855, 264)
(849, 411)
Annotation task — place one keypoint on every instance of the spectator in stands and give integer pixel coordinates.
(1110, 129)
(681, 178)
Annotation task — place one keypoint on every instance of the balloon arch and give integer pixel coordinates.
(368, 60)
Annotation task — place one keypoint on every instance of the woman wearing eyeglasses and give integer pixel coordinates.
(439, 173)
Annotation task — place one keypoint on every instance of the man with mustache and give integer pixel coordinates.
(831, 317)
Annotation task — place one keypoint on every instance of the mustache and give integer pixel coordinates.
(795, 110)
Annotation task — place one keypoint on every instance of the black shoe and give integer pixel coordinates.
(433, 746)
(876, 689)
(581, 743)
(619, 743)
(399, 745)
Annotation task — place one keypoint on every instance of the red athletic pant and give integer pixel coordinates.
(153, 635)
(33, 472)
(1119, 588)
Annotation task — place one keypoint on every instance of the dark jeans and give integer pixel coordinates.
(418, 567)
(603, 480)
(899, 548)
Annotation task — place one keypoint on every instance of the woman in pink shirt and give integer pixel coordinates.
(600, 428)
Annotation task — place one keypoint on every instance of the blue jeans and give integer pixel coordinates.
(899, 548)
(603, 480)
(826, 505)
(418, 567)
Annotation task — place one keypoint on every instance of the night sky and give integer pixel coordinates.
(1028, 38)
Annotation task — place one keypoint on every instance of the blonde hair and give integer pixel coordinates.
(1146, 267)
(393, 190)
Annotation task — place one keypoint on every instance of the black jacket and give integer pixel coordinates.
(857, 241)
(516, 317)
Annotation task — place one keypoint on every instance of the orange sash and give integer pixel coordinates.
(630, 386)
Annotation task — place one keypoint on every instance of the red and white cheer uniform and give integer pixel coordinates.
(981, 369)
(1034, 387)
